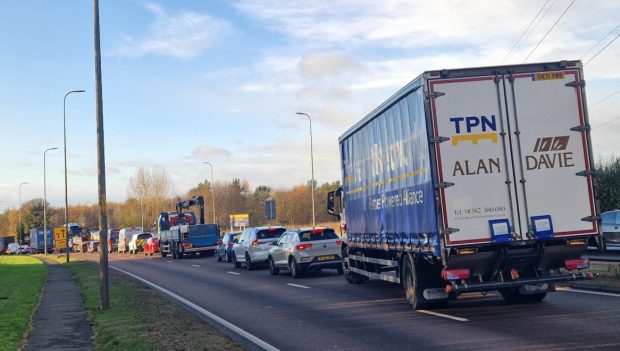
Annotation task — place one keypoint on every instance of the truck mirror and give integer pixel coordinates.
(334, 202)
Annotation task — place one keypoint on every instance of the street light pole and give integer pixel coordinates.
(45, 199)
(212, 191)
(20, 212)
(64, 126)
(312, 164)
(142, 206)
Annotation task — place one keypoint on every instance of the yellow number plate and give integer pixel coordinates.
(549, 76)
(326, 258)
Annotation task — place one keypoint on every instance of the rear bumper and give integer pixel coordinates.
(316, 264)
(200, 249)
(489, 286)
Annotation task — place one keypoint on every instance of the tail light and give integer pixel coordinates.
(301, 247)
(339, 242)
(230, 244)
(272, 229)
(255, 242)
(576, 264)
(219, 241)
(320, 230)
(455, 274)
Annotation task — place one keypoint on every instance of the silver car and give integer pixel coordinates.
(611, 227)
(305, 249)
(253, 246)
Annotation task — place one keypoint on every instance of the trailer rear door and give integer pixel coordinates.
(507, 158)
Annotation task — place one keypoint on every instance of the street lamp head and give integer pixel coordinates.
(78, 91)
(23, 183)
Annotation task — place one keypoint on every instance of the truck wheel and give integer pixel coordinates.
(248, 263)
(272, 267)
(180, 254)
(410, 282)
(234, 260)
(512, 295)
(340, 270)
(163, 254)
(293, 268)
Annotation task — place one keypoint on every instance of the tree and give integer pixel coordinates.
(608, 179)
(150, 189)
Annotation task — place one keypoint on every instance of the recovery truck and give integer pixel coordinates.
(182, 236)
(471, 180)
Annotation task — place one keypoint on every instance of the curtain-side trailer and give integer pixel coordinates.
(473, 179)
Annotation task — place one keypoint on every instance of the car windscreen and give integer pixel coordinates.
(326, 234)
(611, 217)
(271, 233)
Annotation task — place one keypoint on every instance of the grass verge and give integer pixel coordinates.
(141, 319)
(21, 283)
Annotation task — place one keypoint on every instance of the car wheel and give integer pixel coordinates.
(219, 258)
(226, 257)
(234, 259)
(340, 270)
(248, 263)
(272, 267)
(293, 268)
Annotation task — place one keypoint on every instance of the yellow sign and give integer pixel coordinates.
(549, 76)
(60, 237)
(240, 220)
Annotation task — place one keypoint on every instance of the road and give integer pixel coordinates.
(322, 311)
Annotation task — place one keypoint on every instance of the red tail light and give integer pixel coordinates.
(320, 230)
(576, 264)
(273, 229)
(219, 241)
(339, 242)
(230, 244)
(255, 242)
(455, 274)
(301, 247)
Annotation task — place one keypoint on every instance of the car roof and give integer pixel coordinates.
(307, 229)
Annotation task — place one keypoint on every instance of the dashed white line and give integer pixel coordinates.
(169, 261)
(436, 314)
(235, 273)
(298, 286)
(195, 265)
(587, 292)
(258, 342)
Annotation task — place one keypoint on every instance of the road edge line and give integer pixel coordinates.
(586, 291)
(235, 329)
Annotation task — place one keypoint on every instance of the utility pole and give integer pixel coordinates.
(103, 208)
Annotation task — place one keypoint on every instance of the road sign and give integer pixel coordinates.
(270, 209)
(240, 220)
(60, 238)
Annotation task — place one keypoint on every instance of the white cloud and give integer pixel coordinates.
(184, 35)
(210, 151)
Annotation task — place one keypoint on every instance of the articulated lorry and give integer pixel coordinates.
(472, 180)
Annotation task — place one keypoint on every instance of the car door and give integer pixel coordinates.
(241, 246)
(278, 251)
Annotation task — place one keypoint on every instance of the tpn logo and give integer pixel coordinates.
(547, 144)
(474, 129)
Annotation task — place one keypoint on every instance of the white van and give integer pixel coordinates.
(13, 248)
(124, 237)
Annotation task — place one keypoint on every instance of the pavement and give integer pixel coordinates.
(60, 322)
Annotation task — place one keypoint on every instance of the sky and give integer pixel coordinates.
(220, 81)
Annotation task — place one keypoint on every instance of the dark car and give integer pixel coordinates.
(224, 248)
(611, 227)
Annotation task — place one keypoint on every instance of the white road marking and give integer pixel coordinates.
(195, 265)
(587, 292)
(298, 286)
(235, 273)
(256, 341)
(459, 319)
(169, 261)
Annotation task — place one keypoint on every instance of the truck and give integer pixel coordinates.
(471, 180)
(184, 237)
(37, 240)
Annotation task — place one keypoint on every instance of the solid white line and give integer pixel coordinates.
(459, 319)
(298, 286)
(195, 265)
(258, 342)
(235, 273)
(587, 292)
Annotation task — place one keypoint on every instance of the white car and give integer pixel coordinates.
(253, 246)
(137, 242)
(13, 249)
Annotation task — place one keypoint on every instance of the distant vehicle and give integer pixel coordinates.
(254, 244)
(138, 241)
(113, 235)
(93, 246)
(151, 246)
(300, 250)
(13, 248)
(224, 248)
(124, 237)
(4, 242)
(611, 227)
(37, 240)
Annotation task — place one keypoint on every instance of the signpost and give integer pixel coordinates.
(60, 238)
(239, 220)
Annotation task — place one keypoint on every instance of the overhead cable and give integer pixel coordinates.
(525, 31)
(598, 42)
(601, 50)
(549, 31)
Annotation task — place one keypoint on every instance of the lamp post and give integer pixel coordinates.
(212, 190)
(20, 211)
(64, 126)
(312, 164)
(45, 199)
(142, 206)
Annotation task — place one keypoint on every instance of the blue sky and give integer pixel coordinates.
(220, 81)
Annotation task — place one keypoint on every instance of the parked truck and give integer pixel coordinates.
(471, 180)
(37, 240)
(184, 237)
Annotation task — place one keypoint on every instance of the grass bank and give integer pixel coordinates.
(136, 319)
(21, 283)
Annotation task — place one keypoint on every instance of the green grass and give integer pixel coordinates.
(136, 319)
(21, 283)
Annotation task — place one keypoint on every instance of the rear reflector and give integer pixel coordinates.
(301, 247)
(455, 274)
(339, 242)
(576, 264)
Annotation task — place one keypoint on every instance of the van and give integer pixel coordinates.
(124, 237)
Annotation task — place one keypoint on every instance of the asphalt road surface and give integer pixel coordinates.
(321, 311)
